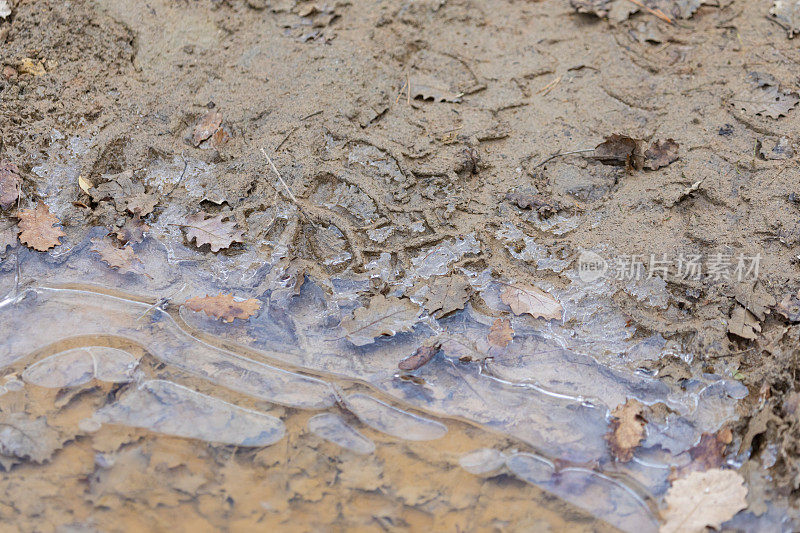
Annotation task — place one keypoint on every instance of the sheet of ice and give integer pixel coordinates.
(332, 428)
(80, 365)
(603, 497)
(169, 408)
(63, 313)
(393, 421)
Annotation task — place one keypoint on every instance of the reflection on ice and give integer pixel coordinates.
(169, 408)
(332, 428)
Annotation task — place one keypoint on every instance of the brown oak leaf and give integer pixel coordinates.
(9, 183)
(383, 316)
(620, 150)
(122, 259)
(660, 154)
(627, 429)
(501, 334)
(224, 307)
(206, 127)
(447, 294)
(37, 228)
(531, 300)
(708, 453)
(421, 357)
(764, 97)
(212, 231)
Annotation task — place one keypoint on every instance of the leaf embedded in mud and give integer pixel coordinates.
(447, 294)
(764, 97)
(382, 317)
(37, 228)
(9, 183)
(703, 499)
(420, 358)
(132, 231)
(27, 438)
(531, 300)
(744, 324)
(224, 307)
(127, 193)
(627, 429)
(206, 127)
(122, 259)
(620, 150)
(426, 88)
(212, 231)
(787, 14)
(500, 334)
(660, 154)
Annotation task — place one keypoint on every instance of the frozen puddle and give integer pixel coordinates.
(168, 408)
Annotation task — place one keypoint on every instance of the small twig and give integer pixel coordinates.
(549, 87)
(288, 190)
(657, 12)
(160, 302)
(559, 154)
(286, 138)
(314, 114)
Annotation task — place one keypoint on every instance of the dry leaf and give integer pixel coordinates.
(532, 300)
(84, 184)
(501, 334)
(128, 194)
(447, 294)
(5, 10)
(219, 138)
(224, 306)
(764, 97)
(37, 229)
(208, 125)
(703, 499)
(599, 8)
(627, 429)
(660, 154)
(787, 14)
(419, 359)
(425, 88)
(212, 231)
(383, 316)
(9, 183)
(133, 231)
(620, 150)
(27, 438)
(122, 259)
(744, 324)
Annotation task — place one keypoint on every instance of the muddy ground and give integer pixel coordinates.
(464, 104)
